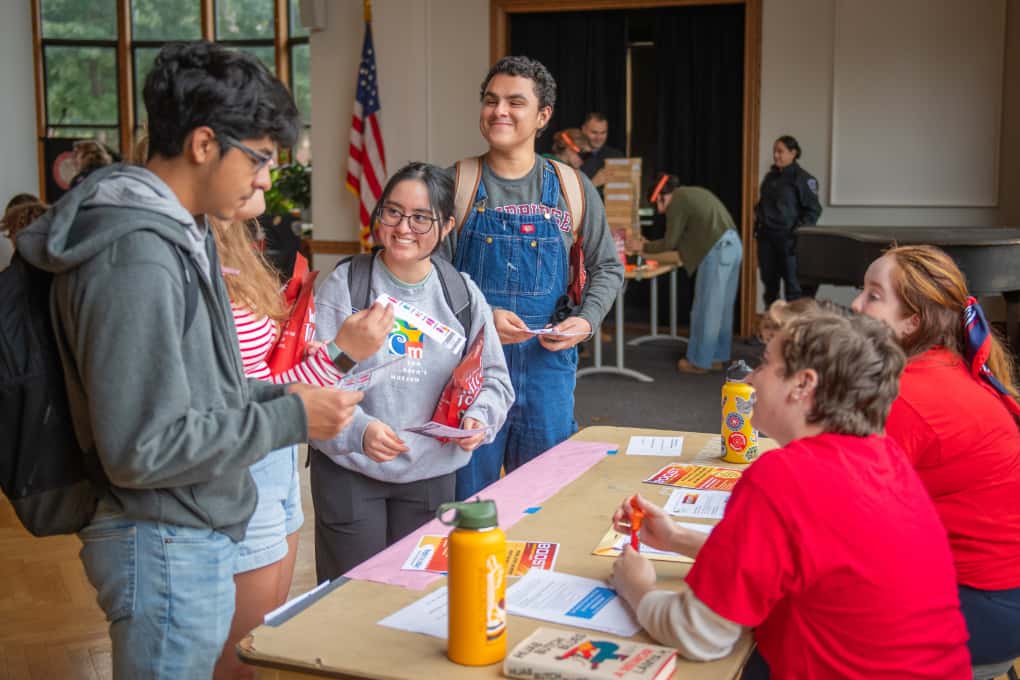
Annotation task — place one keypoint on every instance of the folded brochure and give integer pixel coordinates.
(431, 554)
(707, 477)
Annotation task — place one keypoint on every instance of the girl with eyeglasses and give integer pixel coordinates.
(375, 483)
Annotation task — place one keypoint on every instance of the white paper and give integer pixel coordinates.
(655, 446)
(437, 430)
(426, 616)
(429, 325)
(360, 381)
(572, 601)
(649, 550)
(697, 503)
(552, 331)
(287, 606)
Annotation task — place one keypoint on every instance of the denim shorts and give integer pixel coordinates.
(167, 592)
(278, 513)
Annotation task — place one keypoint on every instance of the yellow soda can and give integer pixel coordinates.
(739, 438)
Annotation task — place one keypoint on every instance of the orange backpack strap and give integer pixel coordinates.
(469, 175)
(573, 191)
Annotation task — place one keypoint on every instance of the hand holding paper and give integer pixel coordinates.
(510, 327)
(633, 576)
(567, 334)
(472, 443)
(381, 443)
(363, 333)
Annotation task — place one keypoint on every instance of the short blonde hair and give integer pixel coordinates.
(856, 358)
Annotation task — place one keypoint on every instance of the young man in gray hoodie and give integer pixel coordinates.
(162, 403)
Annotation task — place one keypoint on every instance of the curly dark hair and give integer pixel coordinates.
(201, 83)
(525, 67)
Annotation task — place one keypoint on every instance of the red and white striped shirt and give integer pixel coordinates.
(257, 337)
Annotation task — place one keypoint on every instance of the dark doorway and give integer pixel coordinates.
(684, 70)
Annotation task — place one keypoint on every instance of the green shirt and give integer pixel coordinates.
(695, 220)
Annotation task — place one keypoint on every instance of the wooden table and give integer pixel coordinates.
(338, 635)
(652, 274)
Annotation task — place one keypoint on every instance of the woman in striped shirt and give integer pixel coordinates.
(266, 557)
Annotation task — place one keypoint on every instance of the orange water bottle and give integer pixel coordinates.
(739, 437)
(476, 584)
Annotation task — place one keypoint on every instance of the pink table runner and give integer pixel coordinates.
(526, 487)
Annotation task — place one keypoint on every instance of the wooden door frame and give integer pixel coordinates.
(499, 41)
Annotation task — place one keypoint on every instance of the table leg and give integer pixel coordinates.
(654, 313)
(619, 368)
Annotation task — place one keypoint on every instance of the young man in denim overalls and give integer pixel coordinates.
(515, 244)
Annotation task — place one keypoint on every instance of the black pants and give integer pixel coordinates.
(357, 516)
(756, 668)
(777, 258)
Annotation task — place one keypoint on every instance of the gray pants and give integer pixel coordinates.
(357, 516)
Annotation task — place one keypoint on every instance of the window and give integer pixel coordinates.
(92, 70)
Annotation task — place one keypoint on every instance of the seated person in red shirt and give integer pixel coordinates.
(830, 548)
(956, 419)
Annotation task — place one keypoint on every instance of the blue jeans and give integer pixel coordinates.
(278, 513)
(715, 290)
(167, 591)
(993, 621)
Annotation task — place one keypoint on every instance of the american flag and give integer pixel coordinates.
(366, 164)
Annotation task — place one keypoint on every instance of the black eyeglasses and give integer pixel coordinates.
(419, 223)
(260, 159)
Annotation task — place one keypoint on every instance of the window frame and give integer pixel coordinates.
(127, 117)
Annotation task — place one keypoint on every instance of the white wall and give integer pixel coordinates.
(796, 98)
(431, 57)
(433, 53)
(20, 172)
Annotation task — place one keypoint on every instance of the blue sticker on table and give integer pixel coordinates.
(532, 510)
(612, 452)
(592, 603)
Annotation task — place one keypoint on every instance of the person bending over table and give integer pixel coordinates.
(956, 418)
(700, 228)
(830, 547)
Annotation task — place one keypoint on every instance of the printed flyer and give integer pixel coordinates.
(705, 477)
(521, 556)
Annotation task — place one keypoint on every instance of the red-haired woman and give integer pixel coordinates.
(956, 418)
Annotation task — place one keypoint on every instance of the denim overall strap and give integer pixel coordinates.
(517, 257)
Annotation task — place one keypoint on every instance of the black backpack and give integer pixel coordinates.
(455, 290)
(51, 482)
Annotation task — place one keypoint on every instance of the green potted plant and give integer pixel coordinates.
(291, 191)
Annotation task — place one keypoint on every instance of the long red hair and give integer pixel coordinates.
(930, 285)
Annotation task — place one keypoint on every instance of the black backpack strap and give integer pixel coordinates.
(458, 297)
(359, 279)
(190, 288)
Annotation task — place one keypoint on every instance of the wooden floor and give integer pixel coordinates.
(50, 624)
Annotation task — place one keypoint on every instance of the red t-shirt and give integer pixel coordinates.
(831, 549)
(965, 446)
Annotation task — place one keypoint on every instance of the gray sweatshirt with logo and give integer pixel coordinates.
(406, 394)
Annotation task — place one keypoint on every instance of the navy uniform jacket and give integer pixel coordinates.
(788, 199)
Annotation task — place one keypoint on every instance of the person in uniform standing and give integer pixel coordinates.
(788, 199)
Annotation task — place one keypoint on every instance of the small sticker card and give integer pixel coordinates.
(695, 503)
(655, 446)
(359, 381)
(430, 326)
(440, 431)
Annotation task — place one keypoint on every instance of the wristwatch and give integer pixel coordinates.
(340, 360)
